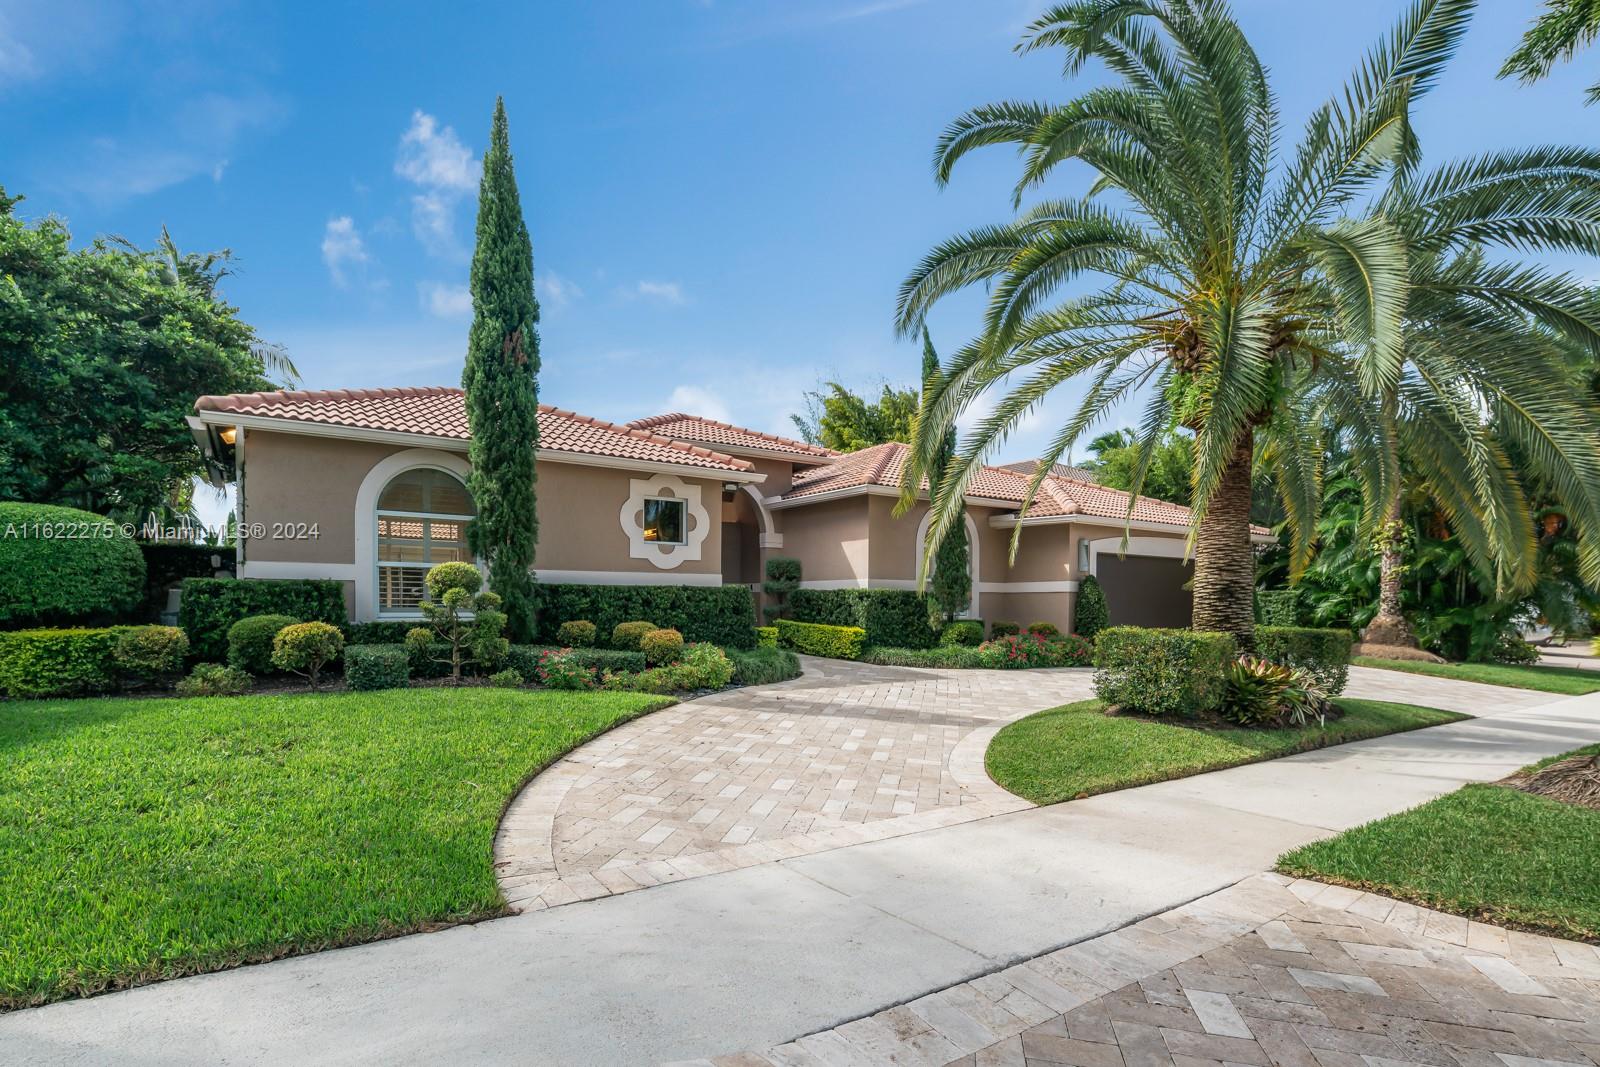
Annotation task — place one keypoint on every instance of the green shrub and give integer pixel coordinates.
(783, 578)
(468, 623)
(1277, 607)
(1161, 672)
(368, 667)
(169, 563)
(819, 639)
(966, 632)
(766, 637)
(763, 665)
(210, 606)
(579, 633)
(561, 668)
(506, 679)
(62, 565)
(213, 680)
(1044, 629)
(956, 657)
(661, 646)
(524, 659)
(1254, 692)
(1090, 613)
(306, 647)
(250, 641)
(626, 635)
(52, 663)
(384, 632)
(1323, 654)
(1021, 651)
(1004, 629)
(724, 615)
(702, 666)
(151, 652)
(894, 617)
(1511, 648)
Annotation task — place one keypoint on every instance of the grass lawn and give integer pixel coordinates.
(1484, 851)
(1076, 750)
(1571, 681)
(145, 839)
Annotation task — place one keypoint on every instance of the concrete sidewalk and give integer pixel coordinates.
(756, 957)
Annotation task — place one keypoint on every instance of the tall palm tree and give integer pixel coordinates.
(1563, 27)
(1228, 283)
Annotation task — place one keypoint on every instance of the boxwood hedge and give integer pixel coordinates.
(62, 565)
(57, 662)
(723, 615)
(820, 639)
(1161, 672)
(894, 617)
(211, 605)
(1324, 654)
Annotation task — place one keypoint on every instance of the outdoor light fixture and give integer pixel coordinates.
(228, 435)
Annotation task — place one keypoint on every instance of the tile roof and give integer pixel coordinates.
(683, 427)
(440, 411)
(1026, 467)
(881, 465)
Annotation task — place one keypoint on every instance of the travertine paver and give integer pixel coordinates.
(1270, 972)
(845, 754)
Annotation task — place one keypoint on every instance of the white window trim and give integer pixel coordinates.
(697, 522)
(1156, 547)
(366, 520)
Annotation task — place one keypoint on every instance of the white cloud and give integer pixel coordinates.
(341, 247)
(556, 291)
(432, 157)
(445, 300)
(666, 292)
(697, 400)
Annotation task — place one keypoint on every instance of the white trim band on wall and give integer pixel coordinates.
(269, 569)
(1158, 547)
(1064, 586)
(544, 577)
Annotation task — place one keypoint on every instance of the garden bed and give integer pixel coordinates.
(1570, 681)
(146, 839)
(1078, 750)
(1488, 852)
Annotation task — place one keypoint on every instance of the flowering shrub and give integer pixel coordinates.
(558, 668)
(703, 666)
(1019, 651)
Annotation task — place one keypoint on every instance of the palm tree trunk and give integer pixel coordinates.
(1224, 562)
(1389, 626)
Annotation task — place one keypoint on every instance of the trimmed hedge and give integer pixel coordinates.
(1323, 654)
(820, 639)
(763, 666)
(1004, 629)
(368, 667)
(385, 632)
(577, 633)
(211, 605)
(524, 659)
(62, 565)
(55, 662)
(965, 632)
(894, 617)
(1277, 607)
(1162, 672)
(151, 652)
(766, 637)
(166, 563)
(250, 641)
(626, 636)
(723, 615)
(959, 657)
(661, 646)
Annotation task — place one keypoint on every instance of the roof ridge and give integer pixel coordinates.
(233, 401)
(645, 435)
(680, 416)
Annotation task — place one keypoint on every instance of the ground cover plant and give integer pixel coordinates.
(1488, 852)
(1078, 750)
(1572, 681)
(144, 839)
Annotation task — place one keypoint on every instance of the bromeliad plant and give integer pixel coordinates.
(1262, 693)
(467, 622)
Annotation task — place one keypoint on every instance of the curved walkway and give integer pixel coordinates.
(845, 754)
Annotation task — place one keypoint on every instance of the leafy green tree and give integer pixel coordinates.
(501, 380)
(952, 567)
(1233, 272)
(105, 349)
(1117, 458)
(1563, 27)
(844, 421)
(1091, 613)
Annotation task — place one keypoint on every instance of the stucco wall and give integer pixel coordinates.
(1027, 608)
(829, 538)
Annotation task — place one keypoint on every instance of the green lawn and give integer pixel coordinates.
(144, 839)
(1487, 852)
(1076, 750)
(1572, 681)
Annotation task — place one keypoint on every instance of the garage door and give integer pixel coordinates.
(1145, 590)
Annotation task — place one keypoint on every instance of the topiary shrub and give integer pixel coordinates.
(1090, 614)
(661, 646)
(1161, 672)
(62, 565)
(1323, 654)
(783, 578)
(250, 641)
(1004, 629)
(626, 635)
(1044, 629)
(724, 615)
(579, 633)
(305, 648)
(371, 667)
(766, 637)
(153, 653)
(764, 665)
(213, 680)
(210, 606)
(818, 639)
(897, 618)
(55, 662)
(965, 632)
(452, 592)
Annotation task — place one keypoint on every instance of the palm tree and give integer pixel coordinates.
(1556, 35)
(1230, 284)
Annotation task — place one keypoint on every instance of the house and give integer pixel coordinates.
(368, 487)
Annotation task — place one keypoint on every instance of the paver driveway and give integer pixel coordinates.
(845, 754)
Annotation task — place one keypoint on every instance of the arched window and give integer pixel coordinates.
(422, 520)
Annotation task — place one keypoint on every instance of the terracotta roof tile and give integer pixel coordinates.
(683, 427)
(440, 411)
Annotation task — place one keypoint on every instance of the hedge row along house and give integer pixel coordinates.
(368, 487)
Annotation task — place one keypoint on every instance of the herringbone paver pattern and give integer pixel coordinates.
(1268, 973)
(848, 753)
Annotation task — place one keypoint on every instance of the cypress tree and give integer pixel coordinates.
(501, 380)
(952, 581)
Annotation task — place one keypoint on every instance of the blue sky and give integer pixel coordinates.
(723, 195)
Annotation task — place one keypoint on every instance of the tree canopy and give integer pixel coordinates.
(842, 420)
